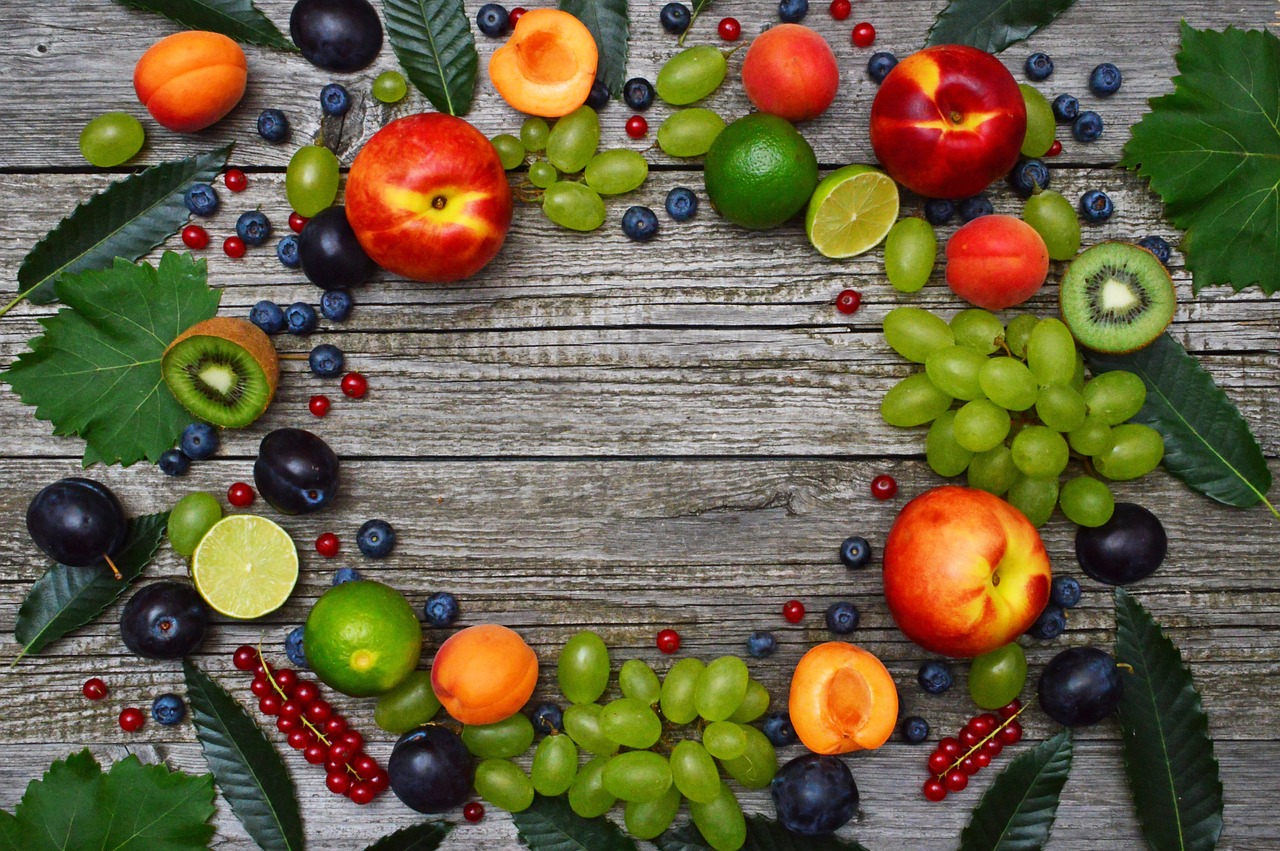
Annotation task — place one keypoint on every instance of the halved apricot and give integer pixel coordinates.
(547, 66)
(842, 699)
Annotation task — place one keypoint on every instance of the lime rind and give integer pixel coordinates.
(851, 211)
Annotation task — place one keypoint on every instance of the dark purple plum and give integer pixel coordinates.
(296, 471)
(814, 795)
(1127, 548)
(336, 35)
(1080, 686)
(431, 769)
(164, 620)
(77, 522)
(330, 254)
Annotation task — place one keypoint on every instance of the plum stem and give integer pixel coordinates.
(111, 564)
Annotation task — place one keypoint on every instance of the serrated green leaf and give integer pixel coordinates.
(993, 25)
(1168, 754)
(763, 834)
(1207, 442)
(127, 219)
(608, 22)
(96, 370)
(433, 41)
(1016, 813)
(550, 825)
(420, 837)
(237, 19)
(67, 598)
(250, 773)
(1211, 151)
(11, 838)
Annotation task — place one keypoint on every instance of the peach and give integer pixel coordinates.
(190, 80)
(996, 262)
(484, 674)
(790, 72)
(842, 699)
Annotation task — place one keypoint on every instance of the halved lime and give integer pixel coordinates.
(245, 566)
(851, 211)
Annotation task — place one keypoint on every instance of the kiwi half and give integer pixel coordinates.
(222, 370)
(1117, 297)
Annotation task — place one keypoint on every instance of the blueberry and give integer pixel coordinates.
(1050, 624)
(975, 208)
(1105, 80)
(199, 441)
(682, 204)
(287, 251)
(1157, 246)
(345, 574)
(376, 538)
(441, 609)
(268, 316)
(334, 99)
(201, 199)
(598, 97)
(675, 18)
(793, 11)
(300, 318)
(1096, 206)
(548, 718)
(1065, 591)
(492, 19)
(855, 552)
(938, 211)
(273, 126)
(1087, 127)
(173, 462)
(1039, 66)
(1028, 177)
(842, 618)
(253, 227)
(1065, 109)
(935, 677)
(325, 360)
(879, 66)
(638, 93)
(168, 710)
(639, 223)
(778, 730)
(814, 794)
(293, 647)
(761, 643)
(914, 730)
(336, 305)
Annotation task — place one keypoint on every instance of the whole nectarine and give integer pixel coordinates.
(484, 674)
(790, 72)
(996, 262)
(189, 80)
(842, 699)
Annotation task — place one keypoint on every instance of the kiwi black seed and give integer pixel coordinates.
(223, 370)
(1117, 297)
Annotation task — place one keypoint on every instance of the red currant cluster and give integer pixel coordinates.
(981, 740)
(314, 728)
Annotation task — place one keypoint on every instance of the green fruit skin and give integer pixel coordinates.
(758, 763)
(724, 740)
(721, 688)
(694, 772)
(637, 776)
(555, 765)
(501, 740)
(910, 250)
(582, 723)
(1115, 396)
(955, 370)
(1018, 332)
(689, 132)
(721, 821)
(573, 205)
(617, 171)
(978, 329)
(915, 333)
(111, 139)
(755, 704)
(946, 457)
(757, 207)
(502, 783)
(1035, 498)
(678, 688)
(648, 819)
(1087, 501)
(1054, 218)
(587, 795)
(993, 471)
(913, 401)
(583, 667)
(1040, 122)
(533, 133)
(510, 150)
(390, 87)
(630, 723)
(311, 181)
(573, 140)
(639, 682)
(1136, 451)
(190, 518)
(410, 704)
(691, 75)
(997, 677)
(1051, 353)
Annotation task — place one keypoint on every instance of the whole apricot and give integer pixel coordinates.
(790, 72)
(190, 80)
(484, 674)
(996, 262)
(842, 699)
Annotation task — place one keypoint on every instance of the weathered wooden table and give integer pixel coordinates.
(595, 433)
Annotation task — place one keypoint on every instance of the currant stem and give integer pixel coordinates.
(1004, 723)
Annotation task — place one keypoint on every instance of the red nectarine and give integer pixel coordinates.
(996, 262)
(790, 72)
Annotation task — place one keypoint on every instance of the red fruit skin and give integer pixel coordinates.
(791, 72)
(947, 121)
(996, 262)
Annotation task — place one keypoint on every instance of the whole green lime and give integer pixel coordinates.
(362, 638)
(760, 171)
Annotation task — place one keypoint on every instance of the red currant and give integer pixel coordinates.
(933, 788)
(380, 779)
(338, 781)
(195, 237)
(982, 759)
(969, 766)
(240, 495)
(849, 301)
(327, 545)
(1011, 734)
(354, 385)
(132, 719)
(637, 127)
(235, 180)
(731, 30)
(668, 641)
(364, 765)
(354, 740)
(1054, 149)
(318, 712)
(793, 611)
(288, 725)
(335, 726)
(968, 738)
(94, 688)
(514, 16)
(331, 765)
(245, 656)
(1010, 710)
(300, 739)
(955, 780)
(233, 247)
(287, 679)
(260, 687)
(314, 754)
(884, 487)
(340, 753)
(473, 811)
(950, 747)
(291, 708)
(259, 672)
(992, 747)
(319, 405)
(269, 704)
(864, 35)
(362, 793)
(297, 222)
(840, 9)
(939, 762)
(982, 725)
(305, 692)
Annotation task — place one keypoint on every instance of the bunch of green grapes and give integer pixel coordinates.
(1010, 406)
(630, 756)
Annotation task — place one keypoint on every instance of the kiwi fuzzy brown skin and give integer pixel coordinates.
(248, 337)
(1162, 285)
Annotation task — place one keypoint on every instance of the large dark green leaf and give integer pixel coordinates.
(993, 25)
(250, 773)
(433, 41)
(420, 837)
(238, 19)
(67, 598)
(549, 825)
(1016, 813)
(1207, 443)
(1168, 755)
(608, 22)
(127, 219)
(763, 834)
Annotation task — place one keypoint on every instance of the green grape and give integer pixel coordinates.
(1034, 497)
(1077, 377)
(555, 764)
(1093, 437)
(694, 772)
(1115, 397)
(1040, 452)
(111, 139)
(573, 205)
(755, 704)
(534, 133)
(648, 819)
(910, 250)
(913, 401)
(190, 518)
(1041, 124)
(630, 723)
(542, 174)
(996, 678)
(1051, 353)
(954, 370)
(981, 425)
(978, 329)
(587, 795)
(311, 181)
(502, 783)
(582, 723)
(992, 471)
(638, 681)
(1053, 217)
(583, 667)
(945, 455)
(573, 140)
(691, 75)
(721, 688)
(1137, 450)
(1008, 383)
(914, 333)
(510, 150)
(617, 171)
(689, 132)
(501, 740)
(1086, 501)
(678, 688)
(410, 704)
(758, 763)
(1018, 332)
(1061, 408)
(724, 740)
(390, 87)
(637, 776)
(720, 821)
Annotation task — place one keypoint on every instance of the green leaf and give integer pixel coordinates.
(237, 19)
(1207, 442)
(96, 371)
(250, 773)
(993, 25)
(433, 41)
(1168, 755)
(608, 22)
(763, 834)
(1211, 151)
(426, 836)
(1016, 812)
(127, 219)
(67, 598)
(549, 825)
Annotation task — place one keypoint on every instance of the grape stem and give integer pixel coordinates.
(1004, 723)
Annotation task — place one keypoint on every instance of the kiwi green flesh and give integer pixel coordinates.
(1117, 298)
(216, 380)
